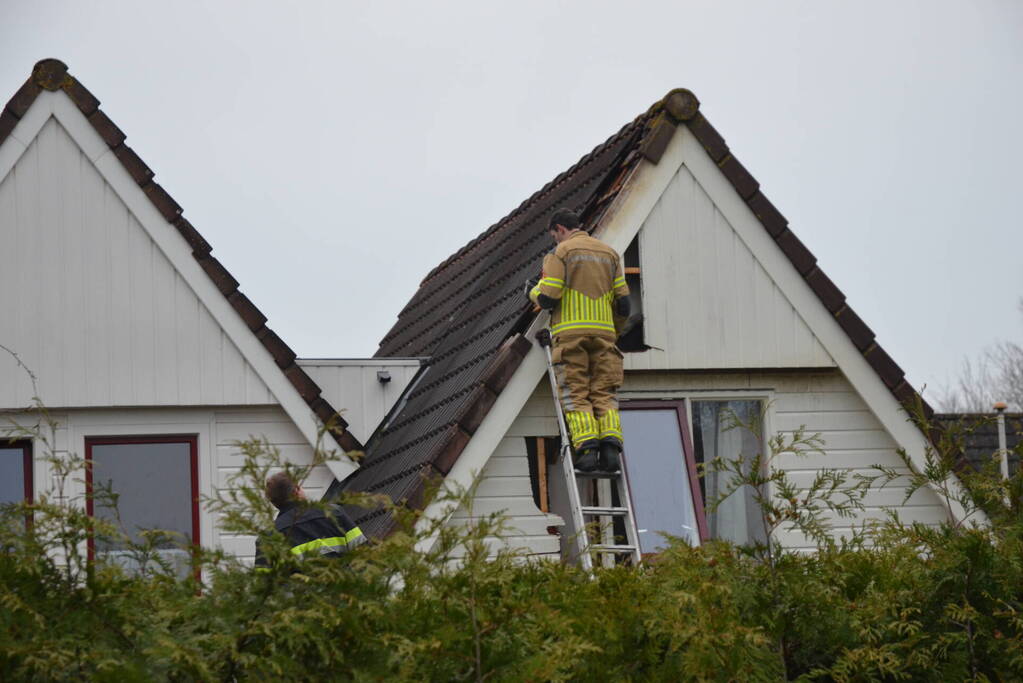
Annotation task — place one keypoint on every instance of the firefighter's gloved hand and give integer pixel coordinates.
(528, 286)
(545, 302)
(623, 307)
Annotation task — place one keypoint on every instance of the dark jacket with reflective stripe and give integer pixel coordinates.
(311, 532)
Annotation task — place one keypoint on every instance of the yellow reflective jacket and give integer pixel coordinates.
(586, 277)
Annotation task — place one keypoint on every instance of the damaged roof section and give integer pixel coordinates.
(52, 75)
(467, 317)
(468, 314)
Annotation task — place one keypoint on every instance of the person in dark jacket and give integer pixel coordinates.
(310, 531)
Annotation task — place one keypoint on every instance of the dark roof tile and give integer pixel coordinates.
(656, 142)
(80, 95)
(282, 353)
(708, 136)
(861, 336)
(106, 128)
(886, 368)
(769, 216)
(200, 247)
(826, 290)
(134, 165)
(163, 202)
(303, 383)
(252, 316)
(7, 123)
(23, 99)
(744, 183)
(801, 258)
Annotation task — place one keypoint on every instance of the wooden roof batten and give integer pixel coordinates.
(52, 75)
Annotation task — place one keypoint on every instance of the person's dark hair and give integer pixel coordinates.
(280, 488)
(565, 217)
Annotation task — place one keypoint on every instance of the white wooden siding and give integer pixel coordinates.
(352, 387)
(823, 402)
(273, 425)
(707, 302)
(92, 305)
(217, 432)
(504, 486)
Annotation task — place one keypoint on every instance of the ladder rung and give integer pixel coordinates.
(612, 548)
(606, 512)
(598, 475)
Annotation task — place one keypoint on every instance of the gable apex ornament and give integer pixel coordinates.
(50, 74)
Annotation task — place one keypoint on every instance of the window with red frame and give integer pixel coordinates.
(15, 472)
(662, 458)
(145, 483)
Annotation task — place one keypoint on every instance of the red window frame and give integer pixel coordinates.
(681, 408)
(26, 467)
(191, 439)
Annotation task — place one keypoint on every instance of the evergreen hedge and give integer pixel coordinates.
(895, 602)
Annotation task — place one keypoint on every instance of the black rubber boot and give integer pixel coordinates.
(587, 458)
(609, 456)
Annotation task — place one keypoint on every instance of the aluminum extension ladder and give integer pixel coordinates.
(602, 511)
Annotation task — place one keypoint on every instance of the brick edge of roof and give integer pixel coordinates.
(52, 75)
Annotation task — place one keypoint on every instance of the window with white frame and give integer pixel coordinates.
(665, 442)
(144, 483)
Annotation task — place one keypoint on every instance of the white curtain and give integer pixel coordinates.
(723, 431)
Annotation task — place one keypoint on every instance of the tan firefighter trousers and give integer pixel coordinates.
(589, 372)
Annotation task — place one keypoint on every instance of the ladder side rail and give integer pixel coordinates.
(625, 499)
(567, 467)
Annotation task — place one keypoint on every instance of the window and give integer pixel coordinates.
(662, 473)
(729, 430)
(662, 458)
(155, 482)
(15, 472)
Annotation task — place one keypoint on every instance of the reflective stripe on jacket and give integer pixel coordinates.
(587, 277)
(310, 531)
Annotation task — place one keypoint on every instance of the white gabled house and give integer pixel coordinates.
(154, 363)
(738, 319)
(148, 356)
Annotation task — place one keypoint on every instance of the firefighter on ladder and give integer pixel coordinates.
(583, 286)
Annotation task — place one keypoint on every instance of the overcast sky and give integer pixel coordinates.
(334, 152)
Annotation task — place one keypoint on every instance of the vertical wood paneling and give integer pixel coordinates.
(96, 265)
(186, 310)
(707, 301)
(143, 325)
(8, 298)
(26, 229)
(75, 303)
(117, 325)
(90, 302)
(353, 389)
(49, 247)
(167, 357)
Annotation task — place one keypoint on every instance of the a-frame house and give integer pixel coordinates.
(738, 319)
(149, 357)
